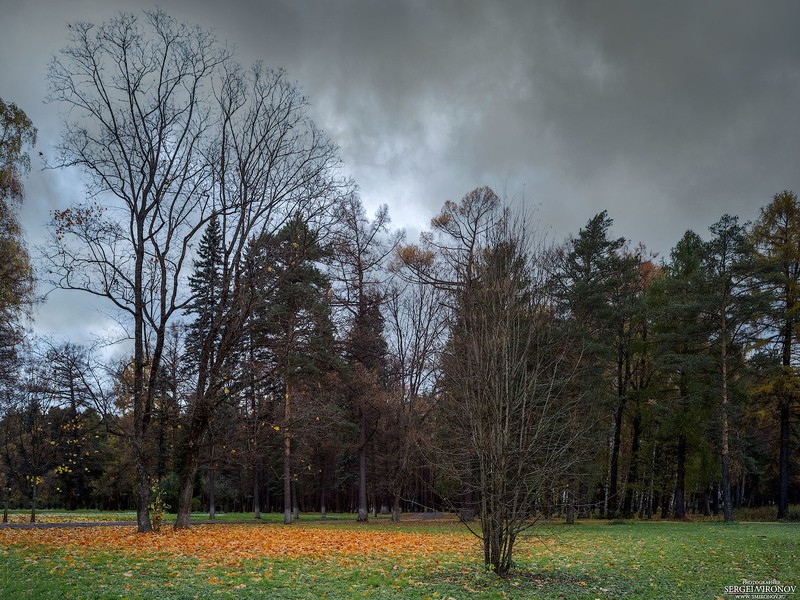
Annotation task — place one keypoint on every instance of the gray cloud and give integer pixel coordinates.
(666, 114)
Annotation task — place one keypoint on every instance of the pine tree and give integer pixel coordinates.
(600, 287)
(681, 332)
(366, 353)
(776, 235)
(205, 285)
(295, 323)
(731, 306)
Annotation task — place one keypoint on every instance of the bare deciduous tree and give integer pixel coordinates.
(416, 323)
(509, 391)
(273, 164)
(138, 121)
(508, 397)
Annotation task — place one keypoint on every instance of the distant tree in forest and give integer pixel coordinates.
(776, 236)
(681, 334)
(600, 286)
(731, 305)
(416, 324)
(296, 326)
(360, 250)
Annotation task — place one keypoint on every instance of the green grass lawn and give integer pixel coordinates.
(589, 560)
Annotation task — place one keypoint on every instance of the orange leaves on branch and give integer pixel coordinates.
(71, 218)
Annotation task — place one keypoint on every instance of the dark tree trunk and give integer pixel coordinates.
(498, 545)
(726, 460)
(142, 498)
(186, 491)
(362, 470)
(212, 503)
(396, 507)
(613, 470)
(295, 501)
(680, 479)
(140, 400)
(727, 503)
(287, 461)
(197, 430)
(570, 507)
(323, 508)
(783, 458)
(633, 471)
(256, 494)
(783, 500)
(665, 498)
(706, 504)
(34, 499)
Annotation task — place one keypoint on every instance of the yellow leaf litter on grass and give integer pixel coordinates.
(236, 542)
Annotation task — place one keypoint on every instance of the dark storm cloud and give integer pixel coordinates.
(668, 114)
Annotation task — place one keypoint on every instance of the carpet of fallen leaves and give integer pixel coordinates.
(231, 544)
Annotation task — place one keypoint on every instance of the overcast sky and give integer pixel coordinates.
(667, 114)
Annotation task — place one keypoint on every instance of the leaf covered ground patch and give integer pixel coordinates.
(229, 543)
(385, 560)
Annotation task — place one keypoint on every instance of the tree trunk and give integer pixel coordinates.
(186, 490)
(726, 464)
(142, 498)
(467, 513)
(34, 499)
(498, 545)
(783, 500)
(613, 470)
(295, 501)
(783, 458)
(256, 495)
(395, 507)
(287, 459)
(212, 504)
(570, 508)
(140, 401)
(362, 470)
(197, 430)
(323, 499)
(323, 509)
(680, 479)
(633, 470)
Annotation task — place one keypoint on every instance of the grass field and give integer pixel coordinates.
(412, 559)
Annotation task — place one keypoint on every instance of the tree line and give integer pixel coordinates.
(288, 352)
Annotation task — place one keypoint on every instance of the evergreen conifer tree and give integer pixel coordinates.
(205, 284)
(295, 322)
